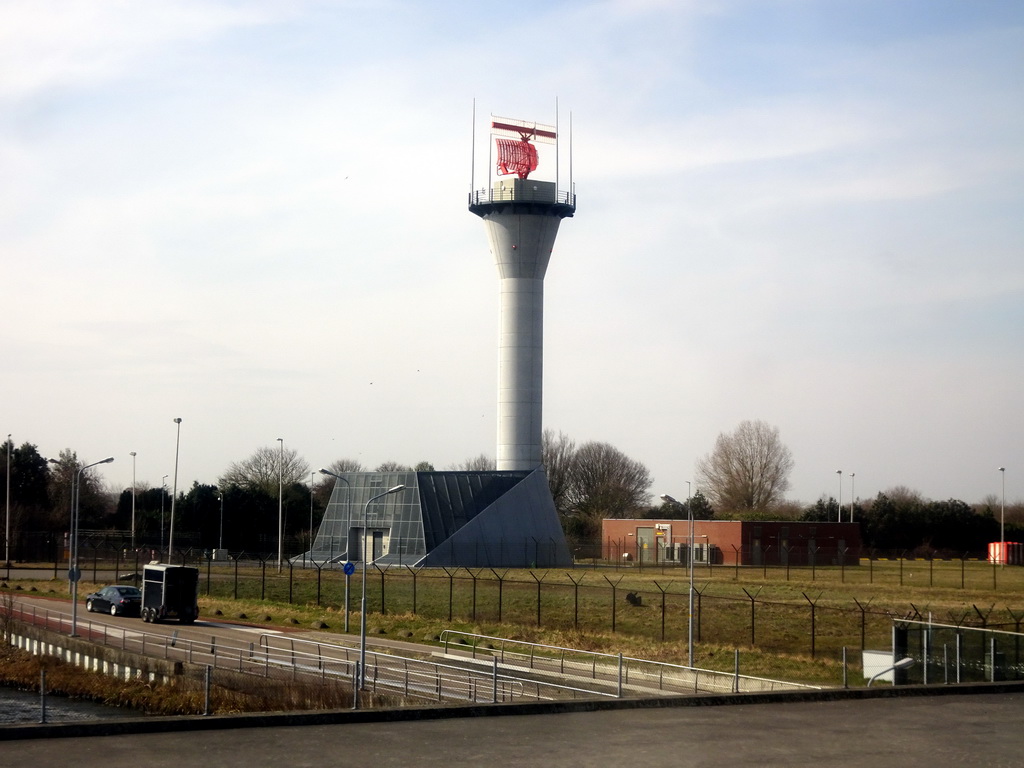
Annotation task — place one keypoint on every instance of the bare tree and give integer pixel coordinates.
(748, 469)
(393, 466)
(603, 483)
(263, 470)
(557, 454)
(479, 463)
(341, 466)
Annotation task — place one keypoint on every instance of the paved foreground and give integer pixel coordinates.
(908, 732)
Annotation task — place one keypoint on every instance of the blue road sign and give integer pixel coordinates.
(349, 569)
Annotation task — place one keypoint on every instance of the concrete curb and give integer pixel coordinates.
(339, 717)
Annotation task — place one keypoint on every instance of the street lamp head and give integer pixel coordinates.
(106, 460)
(132, 454)
(396, 489)
(323, 471)
(177, 421)
(669, 499)
(839, 471)
(1002, 469)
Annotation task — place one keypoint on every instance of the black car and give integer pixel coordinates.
(118, 600)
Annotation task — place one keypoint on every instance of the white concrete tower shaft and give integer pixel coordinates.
(521, 218)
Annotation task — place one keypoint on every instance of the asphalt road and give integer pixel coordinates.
(912, 732)
(906, 732)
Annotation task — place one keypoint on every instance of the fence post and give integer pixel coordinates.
(618, 692)
(576, 603)
(451, 591)
(736, 672)
(348, 579)
(863, 620)
(236, 577)
(613, 585)
(959, 641)
(473, 577)
(813, 623)
(319, 582)
(381, 571)
(538, 594)
(752, 597)
(663, 590)
(846, 678)
(700, 613)
(206, 705)
(494, 680)
(501, 588)
(42, 695)
(412, 571)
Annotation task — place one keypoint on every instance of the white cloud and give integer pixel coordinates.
(47, 44)
(243, 214)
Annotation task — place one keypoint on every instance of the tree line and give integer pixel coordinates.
(745, 476)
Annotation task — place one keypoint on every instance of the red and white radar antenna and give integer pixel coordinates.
(516, 154)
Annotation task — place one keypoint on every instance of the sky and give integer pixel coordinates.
(253, 216)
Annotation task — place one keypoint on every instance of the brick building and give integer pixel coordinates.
(732, 542)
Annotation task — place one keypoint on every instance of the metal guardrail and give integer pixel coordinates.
(483, 196)
(297, 659)
(639, 676)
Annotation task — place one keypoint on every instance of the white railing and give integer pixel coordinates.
(637, 676)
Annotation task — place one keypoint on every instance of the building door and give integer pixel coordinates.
(646, 545)
(378, 545)
(355, 544)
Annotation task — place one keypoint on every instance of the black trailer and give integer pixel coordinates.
(170, 591)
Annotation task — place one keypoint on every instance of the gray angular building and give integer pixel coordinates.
(450, 519)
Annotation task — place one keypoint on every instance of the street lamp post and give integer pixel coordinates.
(220, 537)
(1002, 519)
(853, 493)
(348, 515)
(280, 505)
(362, 602)
(163, 495)
(7, 523)
(73, 573)
(132, 454)
(174, 494)
(839, 504)
(689, 567)
(312, 480)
